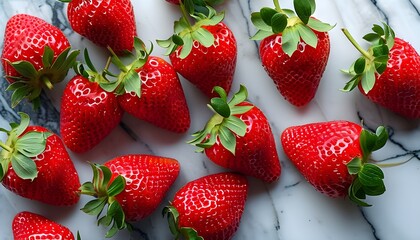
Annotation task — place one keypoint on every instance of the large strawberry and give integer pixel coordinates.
(106, 23)
(35, 55)
(36, 165)
(204, 53)
(388, 73)
(334, 157)
(239, 137)
(294, 49)
(208, 208)
(28, 225)
(88, 112)
(149, 89)
(132, 185)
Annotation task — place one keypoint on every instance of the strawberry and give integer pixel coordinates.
(88, 112)
(239, 137)
(294, 49)
(36, 165)
(35, 55)
(208, 208)
(388, 73)
(333, 157)
(106, 23)
(28, 225)
(149, 89)
(204, 53)
(132, 185)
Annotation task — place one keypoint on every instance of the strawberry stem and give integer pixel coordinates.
(5, 147)
(185, 15)
(356, 45)
(46, 81)
(277, 5)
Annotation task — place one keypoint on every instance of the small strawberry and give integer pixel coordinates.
(388, 73)
(204, 53)
(208, 208)
(36, 165)
(149, 89)
(333, 157)
(28, 225)
(106, 23)
(88, 113)
(132, 185)
(239, 137)
(35, 55)
(294, 49)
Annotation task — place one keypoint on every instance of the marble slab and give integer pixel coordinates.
(289, 209)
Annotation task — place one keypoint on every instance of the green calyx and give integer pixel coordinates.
(224, 125)
(295, 26)
(373, 61)
(104, 192)
(18, 150)
(128, 80)
(368, 177)
(31, 82)
(186, 33)
(186, 233)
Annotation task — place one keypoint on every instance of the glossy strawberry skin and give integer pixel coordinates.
(148, 178)
(296, 77)
(106, 23)
(57, 182)
(27, 225)
(162, 100)
(320, 151)
(209, 67)
(398, 87)
(212, 205)
(25, 38)
(255, 154)
(88, 114)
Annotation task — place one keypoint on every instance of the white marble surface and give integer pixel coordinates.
(289, 209)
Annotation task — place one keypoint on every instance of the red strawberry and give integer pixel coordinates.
(106, 23)
(209, 207)
(27, 225)
(35, 55)
(239, 137)
(88, 113)
(37, 166)
(388, 73)
(206, 56)
(294, 50)
(157, 97)
(333, 157)
(132, 185)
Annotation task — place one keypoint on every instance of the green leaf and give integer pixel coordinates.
(307, 35)
(356, 193)
(172, 217)
(240, 109)
(378, 30)
(259, 23)
(164, 43)
(112, 231)
(352, 84)
(95, 206)
(190, 234)
(187, 47)
(367, 141)
(374, 190)
(177, 40)
(239, 97)
(47, 57)
(104, 177)
(371, 175)
(87, 189)
(221, 92)
(267, 14)
(116, 187)
(236, 125)
(371, 37)
(105, 220)
(304, 9)
(382, 138)
(24, 123)
(368, 80)
(290, 40)
(359, 65)
(380, 51)
(228, 139)
(261, 34)
(319, 26)
(132, 82)
(25, 69)
(24, 167)
(220, 106)
(278, 22)
(31, 144)
(117, 212)
(204, 37)
(88, 61)
(354, 166)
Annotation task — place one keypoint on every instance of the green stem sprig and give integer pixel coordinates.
(186, 233)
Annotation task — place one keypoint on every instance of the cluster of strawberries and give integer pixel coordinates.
(333, 156)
